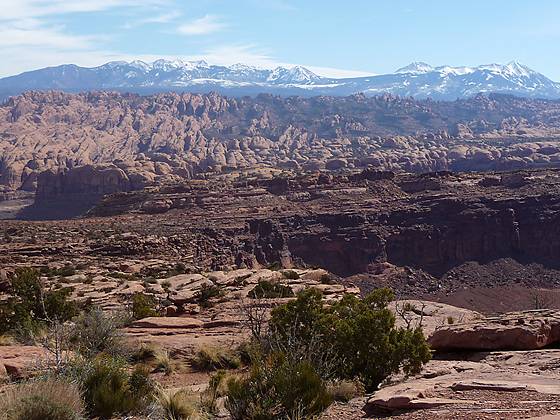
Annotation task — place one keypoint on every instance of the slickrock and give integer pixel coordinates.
(17, 361)
(164, 323)
(526, 330)
(430, 315)
(485, 382)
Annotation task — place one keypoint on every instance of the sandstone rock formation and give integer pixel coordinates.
(527, 330)
(181, 134)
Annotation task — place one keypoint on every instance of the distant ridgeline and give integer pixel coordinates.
(418, 80)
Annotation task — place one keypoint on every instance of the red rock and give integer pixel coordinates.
(527, 330)
(17, 360)
(164, 322)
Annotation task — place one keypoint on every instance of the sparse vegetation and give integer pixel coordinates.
(345, 390)
(163, 362)
(122, 276)
(296, 370)
(276, 388)
(109, 389)
(144, 353)
(31, 305)
(206, 293)
(326, 279)
(290, 274)
(66, 271)
(42, 400)
(213, 358)
(215, 390)
(179, 405)
(144, 306)
(98, 332)
(268, 290)
(361, 332)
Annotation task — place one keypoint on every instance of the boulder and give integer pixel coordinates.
(407, 398)
(16, 361)
(528, 330)
(430, 315)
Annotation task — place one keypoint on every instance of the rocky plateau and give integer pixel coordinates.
(453, 205)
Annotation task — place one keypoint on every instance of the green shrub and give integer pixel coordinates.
(30, 304)
(109, 389)
(122, 276)
(65, 271)
(290, 274)
(180, 405)
(163, 363)
(141, 386)
(277, 389)
(144, 306)
(42, 400)
(327, 279)
(98, 332)
(209, 397)
(144, 353)
(213, 358)
(345, 391)
(268, 290)
(361, 332)
(207, 293)
(275, 266)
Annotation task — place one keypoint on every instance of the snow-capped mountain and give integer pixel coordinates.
(445, 82)
(418, 79)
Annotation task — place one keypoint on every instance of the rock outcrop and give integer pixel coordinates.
(529, 330)
(82, 182)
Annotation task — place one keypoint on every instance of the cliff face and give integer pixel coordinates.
(82, 182)
(180, 134)
(352, 224)
(432, 240)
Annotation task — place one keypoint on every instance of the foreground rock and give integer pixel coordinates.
(18, 361)
(528, 330)
(483, 385)
(430, 315)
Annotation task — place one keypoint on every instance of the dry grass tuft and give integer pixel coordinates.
(42, 400)
(178, 405)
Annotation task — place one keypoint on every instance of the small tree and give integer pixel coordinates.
(144, 306)
(360, 333)
(32, 304)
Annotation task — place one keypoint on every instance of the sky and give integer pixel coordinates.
(330, 37)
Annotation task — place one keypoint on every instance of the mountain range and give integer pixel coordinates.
(418, 80)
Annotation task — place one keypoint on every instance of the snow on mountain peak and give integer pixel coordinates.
(513, 68)
(416, 67)
(293, 75)
(417, 79)
(141, 65)
(519, 69)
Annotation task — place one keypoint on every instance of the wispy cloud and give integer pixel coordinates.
(33, 26)
(202, 26)
(22, 9)
(157, 19)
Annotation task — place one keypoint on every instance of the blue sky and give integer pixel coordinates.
(333, 38)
